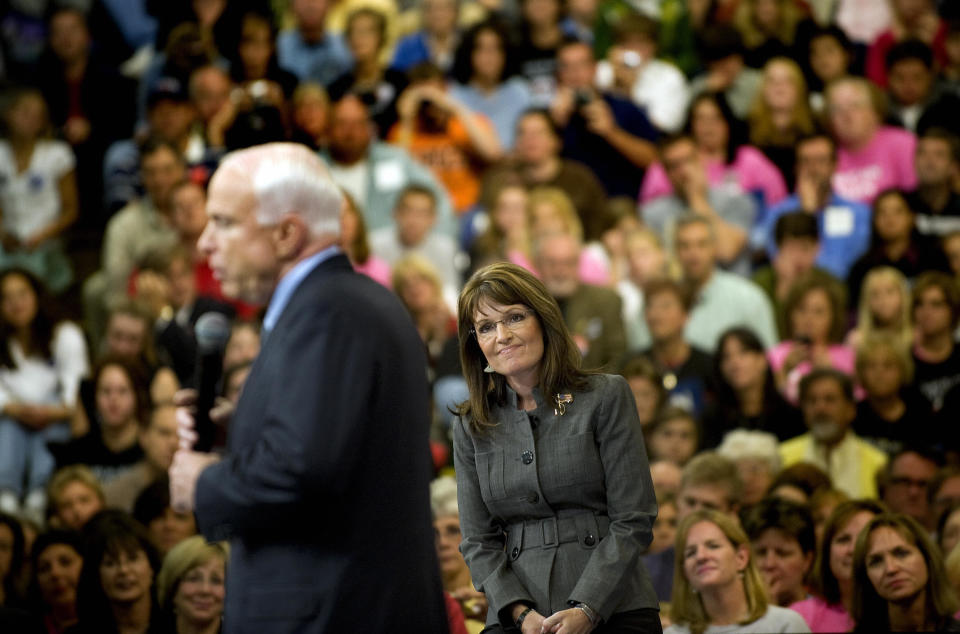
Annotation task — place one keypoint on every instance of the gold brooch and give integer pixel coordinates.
(562, 401)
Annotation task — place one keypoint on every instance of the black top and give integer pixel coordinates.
(934, 380)
(915, 427)
(778, 417)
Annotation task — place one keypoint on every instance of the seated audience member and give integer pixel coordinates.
(730, 213)
(800, 483)
(722, 148)
(917, 102)
(816, 316)
(121, 402)
(623, 220)
(415, 217)
(781, 115)
(308, 49)
(665, 526)
(798, 244)
(948, 529)
(893, 413)
(871, 157)
(418, 285)
(711, 482)
(484, 73)
(884, 309)
(646, 260)
(746, 391)
(243, 346)
(369, 79)
(721, 51)
(310, 116)
(832, 578)
(899, 582)
(143, 225)
(157, 437)
(191, 586)
(826, 398)
(38, 191)
(718, 584)
(211, 94)
(11, 564)
(666, 477)
(904, 483)
(783, 543)
(821, 504)
(831, 56)
(540, 35)
(634, 68)
(909, 20)
(723, 299)
(536, 160)
(507, 235)
(944, 490)
(56, 561)
(165, 526)
(674, 436)
(234, 377)
(646, 384)
(687, 370)
(591, 312)
(372, 172)
(42, 361)
(74, 495)
(896, 243)
(935, 202)
(757, 456)
(116, 582)
(445, 135)
(843, 226)
(781, 28)
(601, 129)
(355, 243)
(454, 571)
(936, 356)
(435, 41)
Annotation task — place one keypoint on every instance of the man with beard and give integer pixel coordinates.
(455, 142)
(375, 173)
(826, 398)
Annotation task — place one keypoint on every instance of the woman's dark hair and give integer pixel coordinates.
(870, 610)
(137, 374)
(813, 282)
(822, 578)
(462, 69)
(152, 501)
(507, 284)
(108, 533)
(876, 242)
(236, 63)
(72, 539)
(789, 517)
(737, 129)
(41, 328)
(728, 405)
(18, 547)
(805, 476)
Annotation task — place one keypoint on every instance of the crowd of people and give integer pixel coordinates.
(748, 209)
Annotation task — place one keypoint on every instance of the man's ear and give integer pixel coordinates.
(290, 236)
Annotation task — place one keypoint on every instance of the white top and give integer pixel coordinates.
(729, 300)
(661, 89)
(353, 179)
(41, 382)
(31, 199)
(776, 619)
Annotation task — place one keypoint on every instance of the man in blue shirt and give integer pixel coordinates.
(844, 225)
(308, 51)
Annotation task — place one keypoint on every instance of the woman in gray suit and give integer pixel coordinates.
(556, 502)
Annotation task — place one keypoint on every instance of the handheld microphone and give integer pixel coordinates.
(212, 332)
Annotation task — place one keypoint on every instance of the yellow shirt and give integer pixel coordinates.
(852, 464)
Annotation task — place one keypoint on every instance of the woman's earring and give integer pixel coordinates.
(488, 369)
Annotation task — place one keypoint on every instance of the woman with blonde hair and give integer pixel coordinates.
(885, 307)
(781, 115)
(417, 284)
(716, 585)
(191, 588)
(74, 495)
(355, 243)
(900, 584)
(646, 260)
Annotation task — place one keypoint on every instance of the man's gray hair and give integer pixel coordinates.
(443, 497)
(288, 178)
(740, 444)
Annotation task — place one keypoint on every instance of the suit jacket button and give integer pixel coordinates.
(514, 553)
(533, 498)
(590, 540)
(527, 457)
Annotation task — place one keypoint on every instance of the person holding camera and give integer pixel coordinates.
(607, 132)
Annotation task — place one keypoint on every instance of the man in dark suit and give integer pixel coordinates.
(323, 490)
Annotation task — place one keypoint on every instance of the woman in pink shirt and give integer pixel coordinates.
(829, 609)
(720, 139)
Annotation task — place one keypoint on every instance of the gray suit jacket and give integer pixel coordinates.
(555, 507)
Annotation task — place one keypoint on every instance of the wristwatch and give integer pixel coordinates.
(590, 612)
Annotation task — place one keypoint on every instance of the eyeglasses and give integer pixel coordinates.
(487, 330)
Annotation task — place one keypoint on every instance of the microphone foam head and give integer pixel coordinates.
(212, 332)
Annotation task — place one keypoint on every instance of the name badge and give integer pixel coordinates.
(837, 222)
(388, 176)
